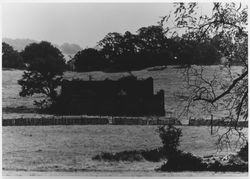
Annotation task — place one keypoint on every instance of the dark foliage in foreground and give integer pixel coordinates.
(154, 155)
(187, 162)
(180, 161)
(177, 160)
(243, 153)
(170, 137)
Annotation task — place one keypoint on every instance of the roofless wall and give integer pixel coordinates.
(126, 97)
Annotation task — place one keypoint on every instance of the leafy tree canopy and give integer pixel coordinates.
(10, 57)
(44, 75)
(88, 60)
(43, 57)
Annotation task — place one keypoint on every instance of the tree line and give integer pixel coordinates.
(149, 47)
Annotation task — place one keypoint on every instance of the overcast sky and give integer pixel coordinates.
(81, 23)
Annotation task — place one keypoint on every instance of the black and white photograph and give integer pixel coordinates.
(125, 89)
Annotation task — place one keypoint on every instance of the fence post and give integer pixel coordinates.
(211, 124)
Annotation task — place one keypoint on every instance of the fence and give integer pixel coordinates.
(73, 120)
(83, 120)
(216, 122)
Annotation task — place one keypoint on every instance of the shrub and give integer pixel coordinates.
(154, 155)
(183, 162)
(243, 153)
(120, 156)
(170, 137)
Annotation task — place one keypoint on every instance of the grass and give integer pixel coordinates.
(62, 147)
(46, 148)
(178, 160)
(169, 79)
(18, 109)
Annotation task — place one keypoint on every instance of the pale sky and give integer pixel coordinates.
(81, 23)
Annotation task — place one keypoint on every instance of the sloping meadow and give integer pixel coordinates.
(170, 79)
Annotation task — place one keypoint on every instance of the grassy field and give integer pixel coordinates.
(70, 148)
(169, 79)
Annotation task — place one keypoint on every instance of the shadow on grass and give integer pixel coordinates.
(176, 162)
(154, 155)
(181, 161)
(19, 109)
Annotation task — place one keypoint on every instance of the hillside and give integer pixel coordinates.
(169, 79)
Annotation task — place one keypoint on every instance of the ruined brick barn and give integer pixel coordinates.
(124, 97)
